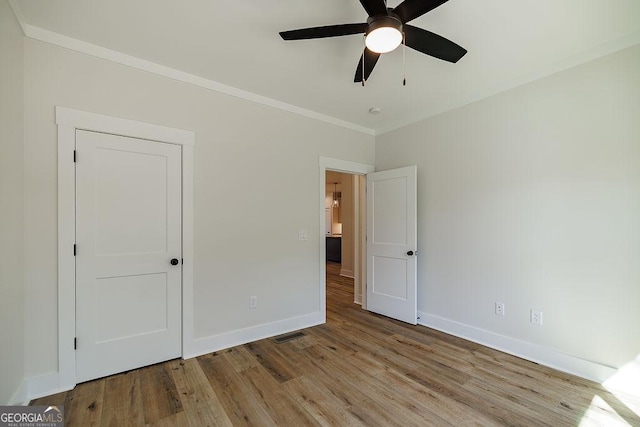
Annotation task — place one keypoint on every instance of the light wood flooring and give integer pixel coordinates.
(357, 369)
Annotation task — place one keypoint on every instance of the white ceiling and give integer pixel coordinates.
(236, 43)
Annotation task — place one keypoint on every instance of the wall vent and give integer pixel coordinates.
(288, 337)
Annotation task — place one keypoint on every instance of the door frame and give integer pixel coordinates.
(345, 166)
(68, 121)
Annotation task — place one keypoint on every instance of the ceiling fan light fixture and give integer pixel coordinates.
(384, 34)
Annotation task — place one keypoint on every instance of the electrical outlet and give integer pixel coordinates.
(253, 302)
(500, 309)
(536, 316)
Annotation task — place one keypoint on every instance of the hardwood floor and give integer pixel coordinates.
(357, 369)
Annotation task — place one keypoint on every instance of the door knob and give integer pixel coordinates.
(410, 253)
(174, 261)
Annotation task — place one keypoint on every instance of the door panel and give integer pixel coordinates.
(143, 297)
(391, 235)
(390, 207)
(133, 218)
(128, 227)
(390, 273)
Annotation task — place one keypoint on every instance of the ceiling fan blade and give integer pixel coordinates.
(432, 44)
(322, 32)
(374, 7)
(370, 59)
(412, 9)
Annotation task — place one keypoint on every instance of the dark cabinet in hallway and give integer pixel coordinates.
(334, 249)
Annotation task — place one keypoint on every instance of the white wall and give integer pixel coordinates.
(245, 244)
(532, 198)
(11, 207)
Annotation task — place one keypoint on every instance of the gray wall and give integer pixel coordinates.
(12, 335)
(532, 198)
(250, 161)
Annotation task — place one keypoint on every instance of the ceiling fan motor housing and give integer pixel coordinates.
(383, 33)
(391, 20)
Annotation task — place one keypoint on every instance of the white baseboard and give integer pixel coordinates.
(533, 352)
(218, 342)
(346, 273)
(44, 385)
(21, 395)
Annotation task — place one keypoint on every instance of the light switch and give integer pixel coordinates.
(303, 235)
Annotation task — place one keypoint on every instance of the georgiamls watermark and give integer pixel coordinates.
(31, 416)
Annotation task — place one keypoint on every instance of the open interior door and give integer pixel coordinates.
(392, 243)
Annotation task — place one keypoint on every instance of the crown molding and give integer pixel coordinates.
(504, 85)
(60, 40)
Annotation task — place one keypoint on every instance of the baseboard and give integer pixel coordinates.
(44, 385)
(21, 397)
(218, 342)
(533, 352)
(346, 273)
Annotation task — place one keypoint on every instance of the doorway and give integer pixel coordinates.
(357, 268)
(387, 280)
(341, 235)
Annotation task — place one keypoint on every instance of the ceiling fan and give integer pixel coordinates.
(385, 30)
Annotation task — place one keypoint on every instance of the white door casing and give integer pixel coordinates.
(68, 122)
(337, 165)
(392, 243)
(128, 228)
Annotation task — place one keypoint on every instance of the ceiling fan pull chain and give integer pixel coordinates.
(364, 51)
(404, 66)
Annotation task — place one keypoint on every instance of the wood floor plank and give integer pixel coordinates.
(374, 344)
(122, 403)
(419, 399)
(268, 355)
(304, 342)
(200, 402)
(240, 358)
(321, 403)
(83, 406)
(280, 405)
(174, 420)
(443, 369)
(57, 399)
(374, 395)
(234, 393)
(522, 404)
(160, 397)
(351, 395)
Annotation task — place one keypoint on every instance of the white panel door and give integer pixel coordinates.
(392, 243)
(128, 258)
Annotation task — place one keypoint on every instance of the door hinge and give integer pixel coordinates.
(74, 249)
(182, 260)
(75, 343)
(74, 156)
